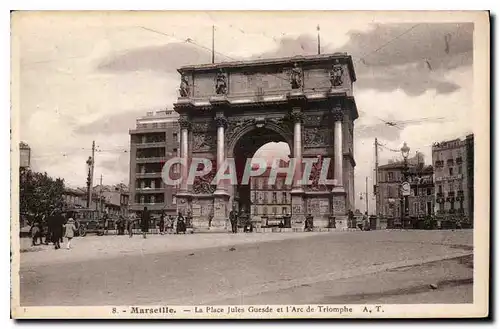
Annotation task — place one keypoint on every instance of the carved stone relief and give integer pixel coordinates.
(203, 184)
(338, 205)
(201, 126)
(313, 120)
(296, 77)
(234, 124)
(203, 142)
(336, 75)
(315, 176)
(221, 83)
(316, 137)
(184, 87)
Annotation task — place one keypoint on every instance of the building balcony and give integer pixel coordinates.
(148, 190)
(150, 145)
(446, 178)
(151, 160)
(150, 206)
(148, 175)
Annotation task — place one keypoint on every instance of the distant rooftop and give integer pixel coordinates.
(158, 116)
(452, 143)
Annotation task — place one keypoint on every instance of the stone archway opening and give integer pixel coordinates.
(263, 143)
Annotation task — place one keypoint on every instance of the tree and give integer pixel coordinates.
(39, 194)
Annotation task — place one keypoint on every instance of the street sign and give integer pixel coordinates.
(405, 188)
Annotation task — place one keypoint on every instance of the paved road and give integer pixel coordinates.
(319, 268)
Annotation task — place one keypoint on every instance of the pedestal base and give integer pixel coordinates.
(298, 209)
(220, 216)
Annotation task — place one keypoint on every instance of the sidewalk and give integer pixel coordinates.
(99, 247)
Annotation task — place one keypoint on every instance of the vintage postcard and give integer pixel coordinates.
(250, 165)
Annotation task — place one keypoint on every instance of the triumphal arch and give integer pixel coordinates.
(229, 110)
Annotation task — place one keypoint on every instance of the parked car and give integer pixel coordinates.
(87, 221)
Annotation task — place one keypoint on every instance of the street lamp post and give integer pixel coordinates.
(405, 186)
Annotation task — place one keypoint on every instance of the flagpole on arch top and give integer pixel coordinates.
(319, 41)
(213, 44)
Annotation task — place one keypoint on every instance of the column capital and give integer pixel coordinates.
(337, 114)
(296, 116)
(221, 121)
(184, 123)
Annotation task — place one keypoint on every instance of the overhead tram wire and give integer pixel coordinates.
(192, 41)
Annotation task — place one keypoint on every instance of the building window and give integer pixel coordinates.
(440, 188)
(284, 198)
(275, 198)
(275, 210)
(451, 171)
(176, 137)
(265, 211)
(390, 176)
(284, 211)
(460, 169)
(449, 162)
(429, 191)
(174, 200)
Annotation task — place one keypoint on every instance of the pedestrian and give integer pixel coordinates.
(366, 223)
(234, 221)
(170, 224)
(181, 225)
(105, 219)
(70, 231)
(130, 224)
(145, 218)
(57, 222)
(161, 224)
(36, 233)
(120, 225)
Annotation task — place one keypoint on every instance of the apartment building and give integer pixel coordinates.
(153, 142)
(390, 200)
(270, 200)
(454, 180)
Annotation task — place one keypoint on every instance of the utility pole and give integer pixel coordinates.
(213, 44)
(366, 194)
(100, 194)
(90, 183)
(319, 41)
(375, 187)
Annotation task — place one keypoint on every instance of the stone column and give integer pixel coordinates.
(221, 122)
(297, 192)
(297, 118)
(338, 156)
(185, 125)
(221, 197)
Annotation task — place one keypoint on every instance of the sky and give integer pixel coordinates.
(88, 76)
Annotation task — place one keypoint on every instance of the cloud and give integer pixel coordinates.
(114, 123)
(166, 58)
(386, 59)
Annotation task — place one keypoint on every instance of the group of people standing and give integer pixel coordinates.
(58, 226)
(165, 223)
(242, 218)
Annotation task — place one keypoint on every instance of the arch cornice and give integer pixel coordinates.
(278, 126)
